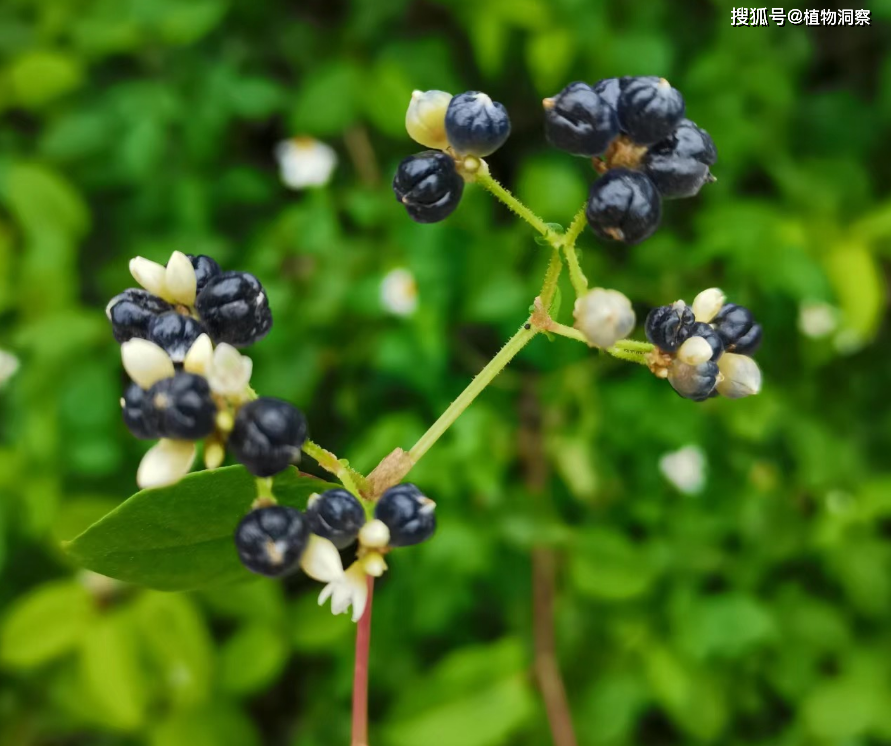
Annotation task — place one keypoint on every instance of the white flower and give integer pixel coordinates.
(165, 463)
(9, 364)
(350, 590)
(305, 162)
(604, 316)
(145, 362)
(685, 469)
(180, 280)
(399, 292)
(741, 376)
(817, 320)
(321, 560)
(695, 350)
(230, 371)
(374, 534)
(707, 304)
(199, 358)
(425, 118)
(374, 564)
(151, 275)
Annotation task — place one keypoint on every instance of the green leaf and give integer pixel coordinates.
(39, 76)
(44, 624)
(252, 658)
(608, 566)
(180, 537)
(221, 724)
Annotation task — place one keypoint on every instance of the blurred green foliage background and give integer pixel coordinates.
(754, 612)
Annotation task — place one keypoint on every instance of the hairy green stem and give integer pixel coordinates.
(631, 357)
(633, 345)
(567, 331)
(350, 478)
(552, 274)
(575, 228)
(486, 180)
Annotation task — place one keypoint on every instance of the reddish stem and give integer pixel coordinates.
(360, 676)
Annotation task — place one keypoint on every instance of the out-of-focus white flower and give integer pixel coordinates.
(321, 560)
(180, 279)
(145, 362)
(151, 275)
(305, 162)
(349, 590)
(694, 351)
(374, 534)
(99, 586)
(685, 469)
(425, 118)
(707, 304)
(9, 364)
(399, 292)
(165, 463)
(741, 376)
(230, 371)
(199, 358)
(604, 316)
(374, 564)
(817, 320)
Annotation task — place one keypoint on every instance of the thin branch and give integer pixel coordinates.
(360, 673)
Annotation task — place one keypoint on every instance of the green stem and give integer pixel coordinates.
(631, 357)
(351, 479)
(633, 345)
(576, 276)
(474, 389)
(552, 274)
(575, 228)
(566, 331)
(487, 181)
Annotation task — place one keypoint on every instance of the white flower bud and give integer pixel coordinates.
(321, 560)
(165, 463)
(230, 372)
(214, 454)
(180, 279)
(9, 364)
(604, 316)
(374, 534)
(374, 564)
(399, 292)
(685, 469)
(151, 275)
(199, 358)
(145, 362)
(305, 162)
(425, 118)
(694, 351)
(707, 304)
(350, 590)
(742, 376)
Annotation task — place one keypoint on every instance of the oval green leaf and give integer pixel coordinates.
(180, 537)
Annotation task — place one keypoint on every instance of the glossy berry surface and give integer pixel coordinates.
(679, 165)
(205, 269)
(701, 329)
(267, 436)
(428, 185)
(136, 411)
(475, 124)
(336, 515)
(409, 515)
(649, 109)
(234, 309)
(131, 312)
(271, 540)
(623, 206)
(738, 329)
(609, 90)
(174, 333)
(694, 382)
(181, 407)
(579, 121)
(668, 327)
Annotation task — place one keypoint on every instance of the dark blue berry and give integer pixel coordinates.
(738, 329)
(131, 312)
(409, 515)
(679, 165)
(174, 333)
(668, 327)
(267, 436)
(181, 407)
(609, 90)
(623, 206)
(271, 540)
(138, 415)
(694, 382)
(234, 309)
(649, 109)
(701, 329)
(336, 515)
(205, 269)
(475, 124)
(579, 121)
(428, 185)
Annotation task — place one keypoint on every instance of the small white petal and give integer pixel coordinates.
(9, 364)
(374, 534)
(145, 362)
(321, 560)
(817, 320)
(374, 564)
(425, 118)
(230, 372)
(685, 469)
(165, 463)
(707, 304)
(305, 162)
(399, 292)
(694, 351)
(604, 316)
(326, 593)
(358, 583)
(180, 280)
(742, 376)
(199, 358)
(151, 275)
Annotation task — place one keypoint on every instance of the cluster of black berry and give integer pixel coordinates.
(634, 128)
(705, 350)
(271, 540)
(178, 337)
(471, 124)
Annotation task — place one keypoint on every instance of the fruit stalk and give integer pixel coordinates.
(485, 180)
(360, 673)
